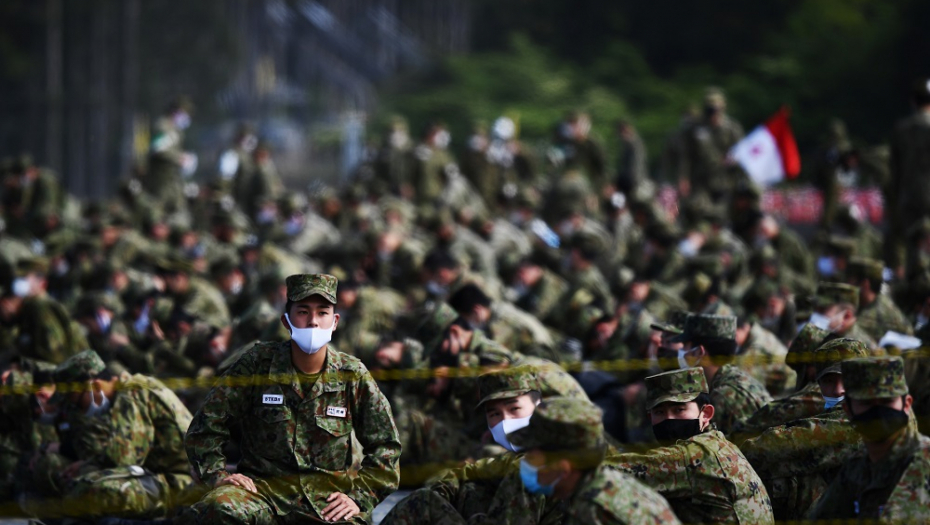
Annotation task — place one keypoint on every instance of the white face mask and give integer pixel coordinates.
(820, 321)
(500, 431)
(141, 325)
(103, 321)
(182, 120)
(830, 402)
(442, 139)
(682, 361)
(21, 287)
(95, 409)
(310, 340)
(435, 288)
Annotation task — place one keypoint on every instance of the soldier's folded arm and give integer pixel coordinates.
(665, 469)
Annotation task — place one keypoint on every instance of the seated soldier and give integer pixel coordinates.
(565, 448)
(704, 477)
(308, 401)
(508, 396)
(798, 460)
(127, 433)
(886, 478)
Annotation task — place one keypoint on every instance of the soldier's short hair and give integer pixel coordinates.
(440, 260)
(468, 297)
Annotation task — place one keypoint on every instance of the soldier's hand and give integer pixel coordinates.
(341, 507)
(238, 480)
(71, 470)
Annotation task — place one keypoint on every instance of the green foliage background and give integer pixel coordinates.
(649, 61)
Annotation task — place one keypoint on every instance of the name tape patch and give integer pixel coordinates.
(273, 399)
(336, 411)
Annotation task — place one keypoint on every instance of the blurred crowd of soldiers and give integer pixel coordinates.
(621, 315)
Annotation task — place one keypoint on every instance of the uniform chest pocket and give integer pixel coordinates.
(271, 432)
(333, 451)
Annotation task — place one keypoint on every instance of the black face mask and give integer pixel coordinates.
(879, 423)
(672, 430)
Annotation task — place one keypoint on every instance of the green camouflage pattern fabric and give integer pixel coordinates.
(302, 450)
(486, 491)
(864, 268)
(299, 287)
(79, 367)
(763, 357)
(892, 491)
(874, 377)
(803, 403)
(47, 332)
(736, 396)
(802, 349)
(135, 462)
(543, 298)
(705, 479)
(562, 423)
(607, 496)
(676, 386)
(831, 354)
(836, 293)
(438, 316)
(703, 325)
(507, 383)
(675, 324)
(798, 460)
(881, 316)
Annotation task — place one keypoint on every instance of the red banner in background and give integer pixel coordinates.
(798, 205)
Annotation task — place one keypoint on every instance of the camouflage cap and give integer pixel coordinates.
(840, 245)
(562, 424)
(301, 286)
(675, 323)
(836, 293)
(175, 263)
(874, 377)
(676, 386)
(80, 367)
(831, 354)
(714, 97)
(507, 383)
(864, 268)
(703, 325)
(805, 344)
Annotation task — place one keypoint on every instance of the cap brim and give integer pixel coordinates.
(667, 328)
(680, 338)
(674, 398)
(832, 369)
(314, 291)
(507, 394)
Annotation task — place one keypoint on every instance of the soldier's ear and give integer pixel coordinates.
(908, 401)
(707, 413)
(335, 321)
(287, 325)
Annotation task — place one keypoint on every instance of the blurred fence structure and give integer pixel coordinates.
(86, 78)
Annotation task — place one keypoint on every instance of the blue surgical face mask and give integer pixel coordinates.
(95, 408)
(530, 477)
(830, 402)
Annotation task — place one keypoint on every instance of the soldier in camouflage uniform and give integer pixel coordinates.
(704, 167)
(538, 289)
(763, 356)
(508, 399)
(877, 312)
(704, 477)
(193, 295)
(799, 459)
(805, 401)
(167, 159)
(41, 328)
(886, 478)
(835, 306)
(311, 399)
(711, 344)
(908, 192)
(128, 442)
(565, 448)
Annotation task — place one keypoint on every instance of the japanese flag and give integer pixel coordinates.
(769, 153)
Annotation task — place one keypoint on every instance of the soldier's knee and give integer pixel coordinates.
(228, 505)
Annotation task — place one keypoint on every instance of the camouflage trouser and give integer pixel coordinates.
(231, 505)
(430, 444)
(130, 492)
(424, 507)
(477, 504)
